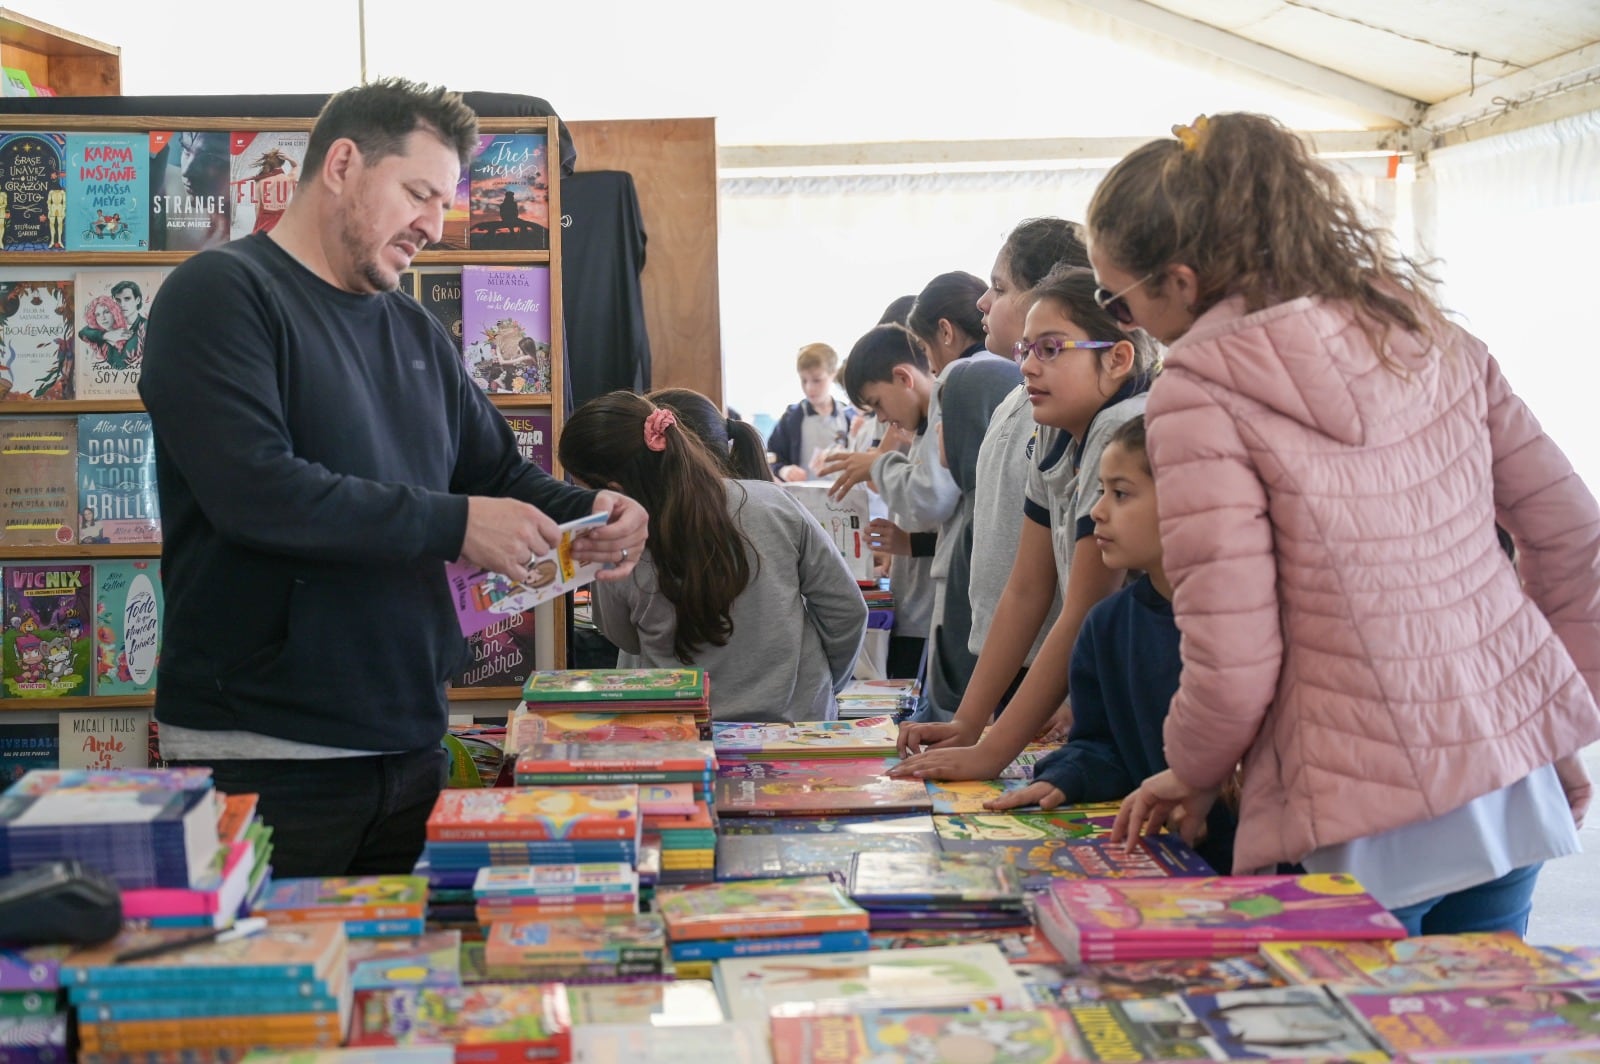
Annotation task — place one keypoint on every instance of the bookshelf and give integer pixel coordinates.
(549, 619)
(71, 64)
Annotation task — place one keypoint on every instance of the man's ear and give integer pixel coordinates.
(340, 164)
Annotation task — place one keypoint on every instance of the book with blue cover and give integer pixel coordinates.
(129, 606)
(117, 500)
(302, 952)
(108, 192)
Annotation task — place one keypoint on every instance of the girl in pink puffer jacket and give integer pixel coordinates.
(1331, 456)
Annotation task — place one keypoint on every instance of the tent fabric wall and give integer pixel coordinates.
(1515, 224)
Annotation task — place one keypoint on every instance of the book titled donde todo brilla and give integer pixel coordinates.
(482, 597)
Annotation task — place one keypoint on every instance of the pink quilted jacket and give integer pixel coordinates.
(1350, 627)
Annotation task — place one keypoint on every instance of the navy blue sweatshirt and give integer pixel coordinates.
(314, 453)
(1124, 673)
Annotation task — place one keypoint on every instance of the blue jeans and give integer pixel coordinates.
(1500, 905)
(341, 816)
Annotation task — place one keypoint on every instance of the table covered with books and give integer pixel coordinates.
(650, 886)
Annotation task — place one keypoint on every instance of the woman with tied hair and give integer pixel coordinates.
(736, 443)
(1331, 456)
(737, 578)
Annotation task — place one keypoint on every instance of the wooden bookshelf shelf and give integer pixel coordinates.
(143, 259)
(71, 64)
(485, 694)
(8, 705)
(80, 550)
(69, 407)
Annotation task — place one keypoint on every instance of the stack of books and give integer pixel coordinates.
(488, 1023)
(872, 698)
(900, 1034)
(1093, 920)
(618, 691)
(280, 987)
(1068, 843)
(383, 906)
(680, 832)
(516, 826)
(142, 827)
(758, 917)
(577, 949)
(844, 796)
(865, 739)
(33, 1025)
(539, 892)
(1429, 962)
(527, 726)
(937, 891)
(429, 959)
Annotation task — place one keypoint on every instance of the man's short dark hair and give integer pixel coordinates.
(128, 286)
(875, 356)
(380, 116)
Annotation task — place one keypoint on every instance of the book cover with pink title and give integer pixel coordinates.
(505, 328)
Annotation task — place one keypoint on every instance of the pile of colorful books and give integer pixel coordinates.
(872, 698)
(143, 828)
(488, 1023)
(33, 1023)
(680, 831)
(869, 738)
(383, 906)
(238, 875)
(929, 891)
(619, 691)
(517, 826)
(542, 891)
(280, 987)
(758, 917)
(576, 949)
(1092, 920)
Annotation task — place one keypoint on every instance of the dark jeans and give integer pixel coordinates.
(1502, 904)
(341, 816)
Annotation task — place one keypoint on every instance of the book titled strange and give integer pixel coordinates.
(481, 597)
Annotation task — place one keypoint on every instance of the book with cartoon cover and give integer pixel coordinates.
(1293, 1021)
(692, 759)
(487, 1023)
(538, 814)
(604, 727)
(968, 796)
(637, 938)
(46, 645)
(108, 192)
(481, 597)
(431, 959)
(806, 768)
(758, 907)
(36, 359)
(812, 739)
(1042, 860)
(301, 952)
(1428, 962)
(1121, 981)
(768, 856)
(1063, 822)
(965, 976)
(683, 1002)
(128, 607)
(1011, 1037)
(377, 897)
(1434, 1024)
(111, 317)
(505, 328)
(819, 797)
(827, 825)
(534, 881)
(616, 685)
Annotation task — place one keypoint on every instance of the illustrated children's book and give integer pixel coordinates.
(433, 959)
(343, 898)
(536, 814)
(880, 879)
(17, 83)
(625, 686)
(807, 768)
(1431, 962)
(111, 318)
(964, 976)
(38, 470)
(509, 193)
(1125, 919)
(819, 796)
(968, 796)
(1063, 822)
(482, 597)
(188, 190)
(33, 192)
(844, 520)
(312, 951)
(263, 171)
(815, 739)
(1148, 979)
(1438, 1024)
(827, 825)
(488, 1024)
(634, 939)
(683, 1002)
(758, 908)
(1043, 860)
(646, 1043)
(117, 500)
(48, 607)
(36, 333)
(641, 762)
(104, 738)
(128, 607)
(1041, 1037)
(1296, 1021)
(108, 192)
(767, 856)
(505, 328)
(606, 727)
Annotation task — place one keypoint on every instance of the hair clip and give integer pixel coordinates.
(1191, 136)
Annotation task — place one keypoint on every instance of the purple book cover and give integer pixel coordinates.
(35, 968)
(1224, 909)
(534, 435)
(1454, 1023)
(482, 597)
(1042, 861)
(505, 328)
(501, 655)
(48, 607)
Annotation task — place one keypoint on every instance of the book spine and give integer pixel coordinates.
(384, 928)
(125, 974)
(196, 1008)
(829, 942)
(767, 927)
(594, 831)
(214, 989)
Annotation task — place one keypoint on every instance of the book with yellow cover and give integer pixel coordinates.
(758, 908)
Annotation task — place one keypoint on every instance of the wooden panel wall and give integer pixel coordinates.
(674, 166)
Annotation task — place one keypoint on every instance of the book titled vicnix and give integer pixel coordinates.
(481, 596)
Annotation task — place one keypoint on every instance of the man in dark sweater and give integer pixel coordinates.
(321, 453)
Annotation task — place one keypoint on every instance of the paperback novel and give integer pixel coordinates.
(534, 434)
(104, 738)
(46, 643)
(33, 192)
(128, 607)
(615, 685)
(38, 490)
(510, 206)
(108, 192)
(481, 596)
(117, 501)
(188, 190)
(505, 328)
(36, 327)
(263, 171)
(112, 316)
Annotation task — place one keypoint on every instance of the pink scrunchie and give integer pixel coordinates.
(655, 429)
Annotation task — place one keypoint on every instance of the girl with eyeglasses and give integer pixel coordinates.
(1085, 377)
(1331, 454)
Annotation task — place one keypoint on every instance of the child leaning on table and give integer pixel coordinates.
(1125, 662)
